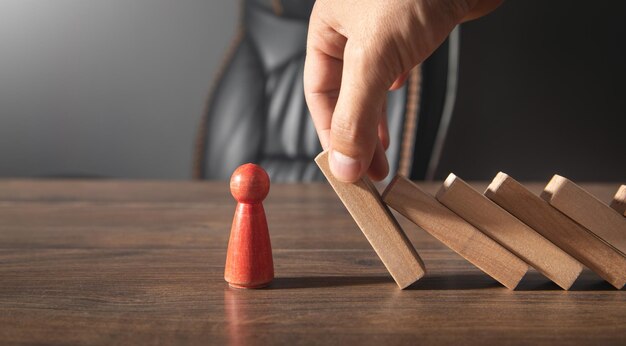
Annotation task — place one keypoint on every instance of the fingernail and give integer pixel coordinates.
(344, 167)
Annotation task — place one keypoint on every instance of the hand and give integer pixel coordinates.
(356, 51)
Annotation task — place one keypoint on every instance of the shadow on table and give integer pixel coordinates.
(454, 282)
(429, 282)
(328, 281)
(587, 281)
(533, 281)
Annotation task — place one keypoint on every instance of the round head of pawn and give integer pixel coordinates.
(249, 184)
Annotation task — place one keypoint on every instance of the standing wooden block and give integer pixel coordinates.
(587, 210)
(559, 229)
(510, 232)
(421, 208)
(380, 227)
(619, 201)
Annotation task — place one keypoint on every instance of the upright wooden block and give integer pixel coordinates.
(587, 210)
(559, 229)
(421, 208)
(380, 227)
(619, 201)
(510, 232)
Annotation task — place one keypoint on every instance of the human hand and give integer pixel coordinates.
(356, 51)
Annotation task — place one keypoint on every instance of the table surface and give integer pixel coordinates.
(125, 262)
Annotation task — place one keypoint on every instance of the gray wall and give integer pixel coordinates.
(108, 88)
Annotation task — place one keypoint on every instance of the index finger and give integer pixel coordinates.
(322, 75)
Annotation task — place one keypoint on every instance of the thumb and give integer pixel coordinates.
(354, 126)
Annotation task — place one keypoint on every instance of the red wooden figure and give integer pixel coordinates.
(249, 261)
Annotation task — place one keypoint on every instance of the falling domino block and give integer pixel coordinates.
(619, 201)
(506, 229)
(587, 210)
(558, 228)
(380, 227)
(485, 253)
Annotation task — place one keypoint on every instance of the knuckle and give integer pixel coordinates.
(351, 138)
(345, 131)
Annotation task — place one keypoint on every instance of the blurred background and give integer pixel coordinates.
(117, 89)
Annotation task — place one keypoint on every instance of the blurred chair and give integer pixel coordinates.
(256, 111)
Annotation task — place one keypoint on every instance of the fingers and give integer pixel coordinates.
(356, 51)
(380, 166)
(322, 75)
(383, 127)
(399, 82)
(322, 79)
(354, 124)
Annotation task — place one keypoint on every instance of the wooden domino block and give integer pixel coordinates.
(424, 210)
(559, 229)
(510, 232)
(619, 201)
(380, 227)
(587, 210)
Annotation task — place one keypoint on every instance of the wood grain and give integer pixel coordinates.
(582, 207)
(378, 225)
(416, 205)
(619, 200)
(510, 232)
(133, 262)
(558, 228)
(136, 192)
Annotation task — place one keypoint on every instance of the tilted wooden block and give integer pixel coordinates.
(380, 227)
(587, 210)
(619, 201)
(424, 210)
(559, 229)
(510, 232)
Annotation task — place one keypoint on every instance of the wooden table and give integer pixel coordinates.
(109, 262)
